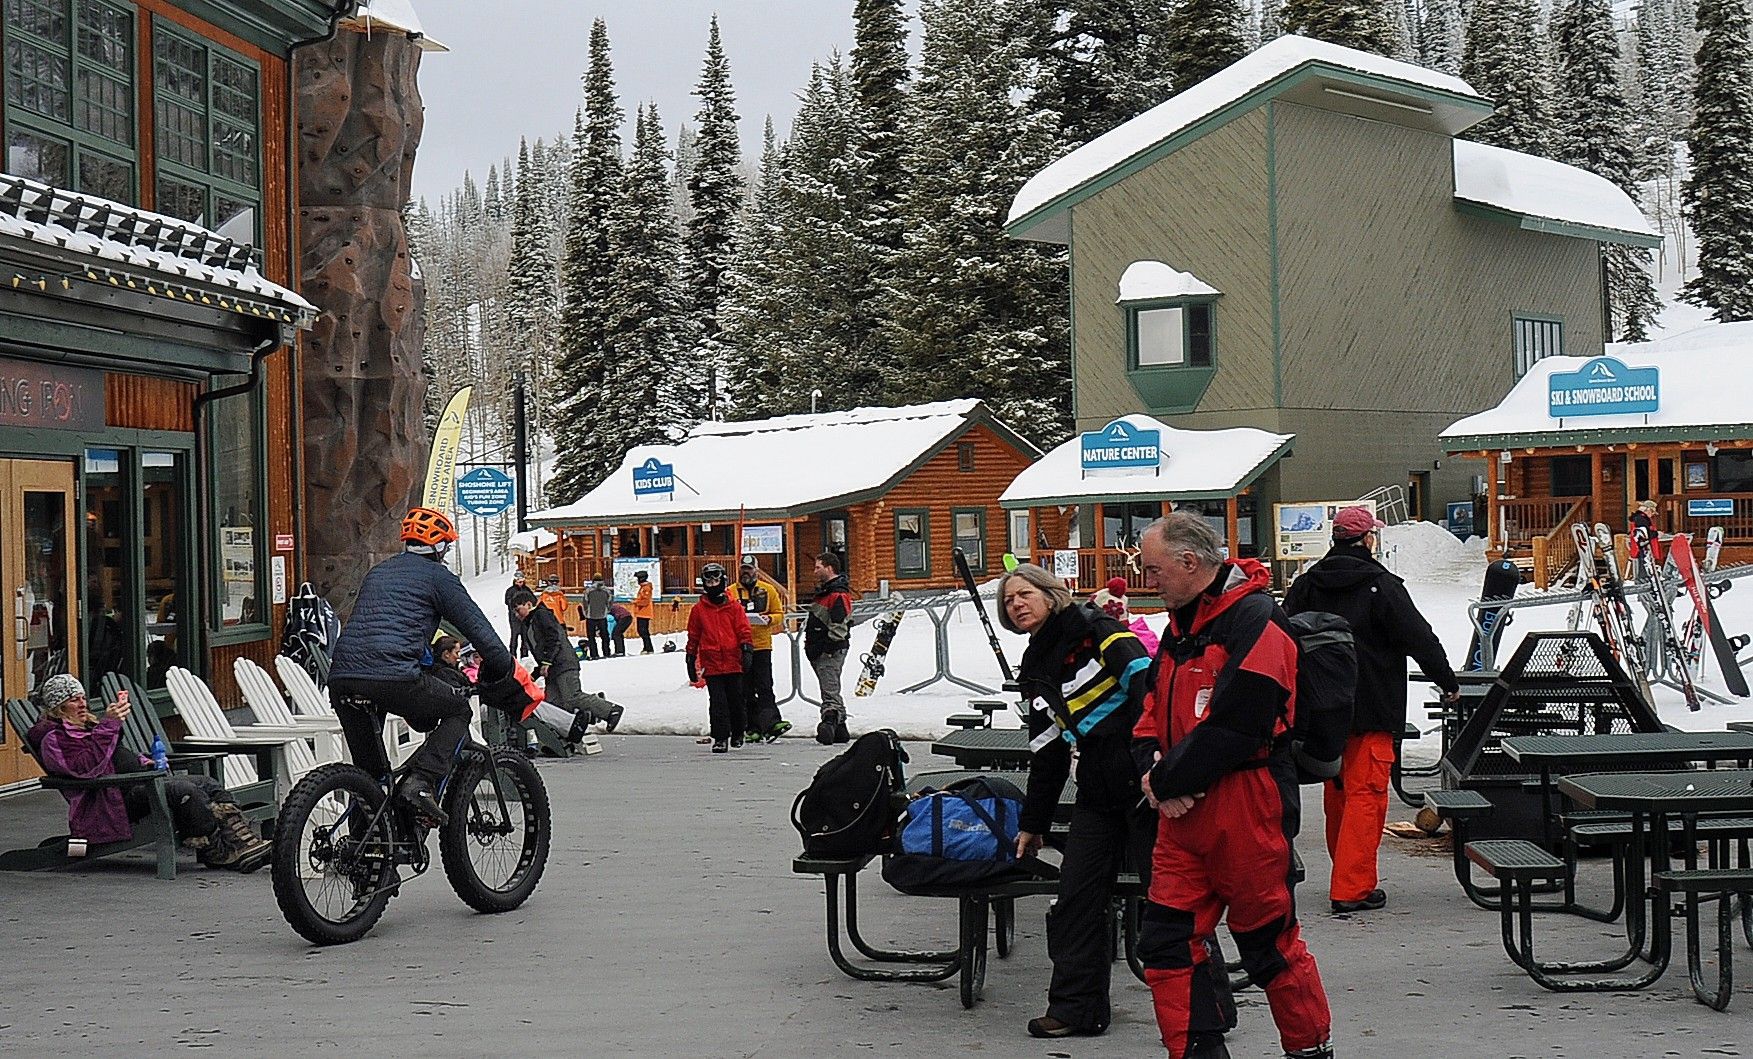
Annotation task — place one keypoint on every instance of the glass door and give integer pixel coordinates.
(37, 583)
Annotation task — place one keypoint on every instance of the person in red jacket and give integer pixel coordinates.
(1212, 748)
(721, 648)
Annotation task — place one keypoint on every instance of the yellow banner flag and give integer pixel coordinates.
(441, 466)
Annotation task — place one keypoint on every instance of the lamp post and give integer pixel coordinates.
(815, 395)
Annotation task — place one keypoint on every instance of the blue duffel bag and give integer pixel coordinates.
(961, 837)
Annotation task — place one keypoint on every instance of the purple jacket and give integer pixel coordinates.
(87, 753)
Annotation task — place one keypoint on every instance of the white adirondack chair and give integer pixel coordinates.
(270, 707)
(199, 710)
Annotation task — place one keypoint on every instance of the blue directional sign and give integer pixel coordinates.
(1714, 507)
(1120, 445)
(486, 492)
(1605, 386)
(652, 478)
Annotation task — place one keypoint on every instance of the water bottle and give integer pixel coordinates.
(160, 759)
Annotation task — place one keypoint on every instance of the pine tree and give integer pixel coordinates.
(1204, 36)
(583, 424)
(1271, 20)
(979, 314)
(1367, 25)
(1719, 192)
(1439, 36)
(879, 76)
(754, 307)
(687, 151)
(715, 192)
(1505, 62)
(1592, 130)
(1103, 62)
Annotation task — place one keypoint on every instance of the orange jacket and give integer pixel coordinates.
(555, 601)
(642, 605)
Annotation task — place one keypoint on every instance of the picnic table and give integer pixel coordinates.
(1623, 752)
(986, 748)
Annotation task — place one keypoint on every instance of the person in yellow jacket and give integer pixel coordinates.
(766, 610)
(643, 610)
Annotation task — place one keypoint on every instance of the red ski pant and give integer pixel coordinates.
(1356, 808)
(1231, 851)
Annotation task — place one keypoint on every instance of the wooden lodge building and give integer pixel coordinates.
(1585, 439)
(147, 318)
(891, 490)
(1302, 244)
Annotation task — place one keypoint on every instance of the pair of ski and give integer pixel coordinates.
(1598, 575)
(1704, 625)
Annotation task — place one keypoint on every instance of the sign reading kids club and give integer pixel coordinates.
(1605, 386)
(652, 478)
(1121, 446)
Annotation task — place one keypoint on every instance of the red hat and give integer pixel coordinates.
(1353, 522)
(1117, 586)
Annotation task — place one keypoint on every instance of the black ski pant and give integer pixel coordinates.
(191, 801)
(724, 706)
(518, 646)
(596, 637)
(758, 700)
(620, 635)
(645, 634)
(430, 705)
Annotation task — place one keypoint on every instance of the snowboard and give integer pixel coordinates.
(874, 660)
(1502, 578)
(1704, 620)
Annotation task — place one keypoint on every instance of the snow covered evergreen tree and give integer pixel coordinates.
(1102, 61)
(1367, 25)
(1203, 37)
(1505, 61)
(687, 152)
(1439, 36)
(583, 424)
(879, 77)
(979, 314)
(715, 193)
(1719, 192)
(1593, 130)
(754, 304)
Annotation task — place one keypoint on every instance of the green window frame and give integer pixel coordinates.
(913, 542)
(961, 517)
(207, 121)
(1171, 378)
(227, 543)
(71, 72)
(1536, 338)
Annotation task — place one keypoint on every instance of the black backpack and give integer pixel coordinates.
(849, 808)
(1326, 690)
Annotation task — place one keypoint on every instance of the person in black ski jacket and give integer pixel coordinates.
(557, 665)
(519, 586)
(1387, 628)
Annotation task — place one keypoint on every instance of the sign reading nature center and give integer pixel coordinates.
(1121, 446)
(1605, 386)
(652, 478)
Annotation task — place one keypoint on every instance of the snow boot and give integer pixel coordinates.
(842, 734)
(1205, 1045)
(776, 731)
(234, 843)
(720, 746)
(614, 717)
(417, 793)
(825, 730)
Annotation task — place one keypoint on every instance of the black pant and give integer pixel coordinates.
(645, 634)
(620, 640)
(596, 637)
(758, 701)
(191, 801)
(1080, 938)
(517, 634)
(724, 699)
(430, 705)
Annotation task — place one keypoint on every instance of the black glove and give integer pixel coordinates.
(540, 672)
(748, 657)
(691, 674)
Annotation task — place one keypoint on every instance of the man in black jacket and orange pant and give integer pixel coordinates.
(1387, 628)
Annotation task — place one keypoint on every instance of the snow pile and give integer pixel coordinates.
(1195, 464)
(1424, 551)
(1540, 187)
(1144, 280)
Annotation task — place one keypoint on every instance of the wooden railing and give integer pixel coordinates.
(1549, 542)
(1737, 527)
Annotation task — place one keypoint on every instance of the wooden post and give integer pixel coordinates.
(1540, 563)
(1101, 535)
(1231, 527)
(791, 564)
(1597, 495)
(1493, 517)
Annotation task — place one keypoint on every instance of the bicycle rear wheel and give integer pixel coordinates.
(495, 845)
(332, 868)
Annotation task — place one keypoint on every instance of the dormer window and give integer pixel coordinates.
(1171, 352)
(1170, 335)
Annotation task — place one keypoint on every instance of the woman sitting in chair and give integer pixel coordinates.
(70, 741)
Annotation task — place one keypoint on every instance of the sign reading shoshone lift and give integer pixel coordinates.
(1605, 386)
(1121, 446)
(652, 478)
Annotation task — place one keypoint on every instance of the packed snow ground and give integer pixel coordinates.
(1442, 573)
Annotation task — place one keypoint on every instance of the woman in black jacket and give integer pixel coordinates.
(1084, 678)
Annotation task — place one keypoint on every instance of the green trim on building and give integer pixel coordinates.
(1272, 252)
(1171, 388)
(272, 25)
(1530, 223)
(1598, 436)
(1284, 82)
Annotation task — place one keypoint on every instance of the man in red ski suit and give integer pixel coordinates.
(1211, 746)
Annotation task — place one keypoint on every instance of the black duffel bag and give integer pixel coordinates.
(849, 809)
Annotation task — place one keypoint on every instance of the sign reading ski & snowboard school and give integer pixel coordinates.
(485, 492)
(1121, 446)
(1605, 386)
(652, 478)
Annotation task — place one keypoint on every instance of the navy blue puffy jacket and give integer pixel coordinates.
(399, 607)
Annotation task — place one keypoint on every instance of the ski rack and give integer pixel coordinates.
(1634, 590)
(939, 606)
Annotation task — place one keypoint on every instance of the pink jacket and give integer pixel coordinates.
(86, 753)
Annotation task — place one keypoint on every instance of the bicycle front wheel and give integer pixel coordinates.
(333, 861)
(495, 845)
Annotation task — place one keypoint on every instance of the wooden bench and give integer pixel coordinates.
(1711, 884)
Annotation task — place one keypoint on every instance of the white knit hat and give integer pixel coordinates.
(56, 690)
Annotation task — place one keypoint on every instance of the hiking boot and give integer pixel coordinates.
(1367, 903)
(234, 843)
(776, 731)
(720, 746)
(1049, 1027)
(1324, 1050)
(416, 790)
(613, 718)
(1206, 1045)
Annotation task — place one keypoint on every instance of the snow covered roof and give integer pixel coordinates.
(1248, 81)
(1543, 195)
(392, 14)
(1196, 465)
(532, 540)
(782, 467)
(1699, 399)
(128, 247)
(1145, 280)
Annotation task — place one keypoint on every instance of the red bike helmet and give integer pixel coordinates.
(429, 527)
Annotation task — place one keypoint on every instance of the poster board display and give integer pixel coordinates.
(1065, 565)
(763, 540)
(626, 587)
(1303, 530)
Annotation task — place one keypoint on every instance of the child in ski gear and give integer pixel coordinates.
(720, 649)
(379, 655)
(644, 610)
(827, 631)
(620, 621)
(1083, 675)
(554, 599)
(70, 741)
(1386, 628)
(1112, 601)
(1212, 747)
(760, 601)
(557, 665)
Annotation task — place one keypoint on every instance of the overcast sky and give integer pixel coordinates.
(514, 66)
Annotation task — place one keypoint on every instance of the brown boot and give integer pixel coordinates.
(239, 846)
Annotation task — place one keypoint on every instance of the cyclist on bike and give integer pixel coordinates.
(380, 652)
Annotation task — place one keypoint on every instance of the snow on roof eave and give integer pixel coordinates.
(377, 15)
(1529, 222)
(1095, 491)
(1541, 195)
(1272, 70)
(1149, 280)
